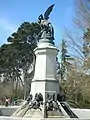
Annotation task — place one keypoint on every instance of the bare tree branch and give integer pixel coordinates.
(82, 14)
(79, 50)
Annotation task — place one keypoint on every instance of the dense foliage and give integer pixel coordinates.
(17, 55)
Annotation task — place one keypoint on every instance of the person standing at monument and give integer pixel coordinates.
(6, 101)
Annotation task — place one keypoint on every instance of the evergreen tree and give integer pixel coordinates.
(17, 54)
(64, 57)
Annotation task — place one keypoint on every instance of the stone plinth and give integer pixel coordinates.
(45, 79)
(47, 104)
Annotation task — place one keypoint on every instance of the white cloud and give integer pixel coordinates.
(6, 25)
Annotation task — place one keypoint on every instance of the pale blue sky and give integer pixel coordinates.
(14, 12)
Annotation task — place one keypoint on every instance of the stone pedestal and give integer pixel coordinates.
(45, 78)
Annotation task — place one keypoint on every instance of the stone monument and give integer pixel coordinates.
(45, 77)
(44, 100)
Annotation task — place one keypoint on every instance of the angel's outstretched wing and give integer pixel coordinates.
(48, 11)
